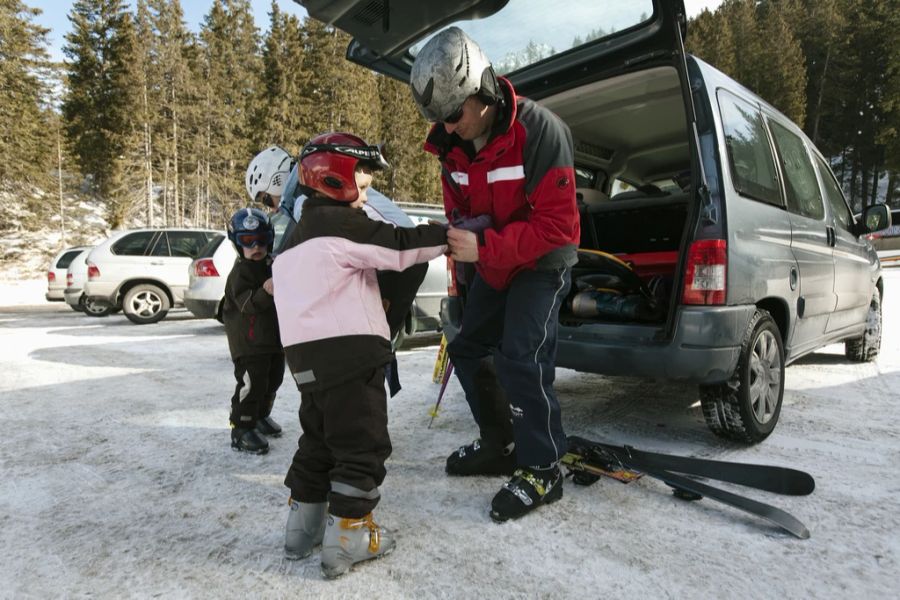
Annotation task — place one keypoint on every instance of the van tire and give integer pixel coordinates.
(865, 348)
(94, 309)
(731, 409)
(145, 303)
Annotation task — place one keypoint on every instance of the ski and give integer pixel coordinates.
(587, 457)
(769, 478)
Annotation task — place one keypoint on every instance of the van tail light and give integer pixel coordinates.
(93, 271)
(51, 276)
(451, 277)
(704, 273)
(205, 268)
(69, 280)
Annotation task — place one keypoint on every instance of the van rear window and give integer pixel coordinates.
(66, 259)
(749, 154)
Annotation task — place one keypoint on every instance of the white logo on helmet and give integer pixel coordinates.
(250, 222)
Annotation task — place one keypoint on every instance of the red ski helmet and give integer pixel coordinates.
(328, 164)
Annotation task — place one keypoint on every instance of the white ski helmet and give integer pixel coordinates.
(268, 172)
(450, 68)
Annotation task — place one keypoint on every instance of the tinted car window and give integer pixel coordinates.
(186, 243)
(842, 216)
(211, 246)
(66, 259)
(161, 247)
(800, 185)
(749, 154)
(133, 244)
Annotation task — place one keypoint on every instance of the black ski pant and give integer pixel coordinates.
(341, 453)
(258, 377)
(505, 359)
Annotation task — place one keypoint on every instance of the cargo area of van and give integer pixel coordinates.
(633, 158)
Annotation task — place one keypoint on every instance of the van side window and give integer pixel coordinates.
(842, 216)
(800, 184)
(749, 153)
(133, 244)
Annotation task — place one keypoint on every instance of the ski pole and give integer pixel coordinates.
(447, 372)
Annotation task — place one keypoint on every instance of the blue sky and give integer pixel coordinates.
(55, 12)
(55, 16)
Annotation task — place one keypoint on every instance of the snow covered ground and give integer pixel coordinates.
(118, 480)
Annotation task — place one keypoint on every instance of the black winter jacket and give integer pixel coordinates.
(251, 322)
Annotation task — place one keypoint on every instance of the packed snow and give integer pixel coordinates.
(119, 480)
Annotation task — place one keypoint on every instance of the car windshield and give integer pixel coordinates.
(528, 31)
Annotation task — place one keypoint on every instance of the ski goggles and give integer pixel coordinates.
(369, 154)
(455, 116)
(256, 238)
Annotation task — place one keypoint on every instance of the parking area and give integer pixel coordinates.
(119, 480)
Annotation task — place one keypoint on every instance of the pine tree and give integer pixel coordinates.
(781, 74)
(170, 50)
(414, 175)
(232, 67)
(24, 144)
(284, 111)
(101, 101)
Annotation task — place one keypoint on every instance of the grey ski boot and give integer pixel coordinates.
(349, 541)
(305, 528)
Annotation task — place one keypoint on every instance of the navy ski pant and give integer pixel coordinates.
(505, 359)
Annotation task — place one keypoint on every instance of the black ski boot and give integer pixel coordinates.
(482, 459)
(268, 427)
(528, 489)
(248, 440)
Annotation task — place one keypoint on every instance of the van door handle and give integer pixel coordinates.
(830, 236)
(157, 263)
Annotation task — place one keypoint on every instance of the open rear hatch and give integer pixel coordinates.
(615, 72)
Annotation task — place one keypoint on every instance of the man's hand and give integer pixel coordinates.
(269, 286)
(463, 245)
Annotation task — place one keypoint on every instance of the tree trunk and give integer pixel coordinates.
(148, 159)
(821, 92)
(178, 217)
(59, 172)
(166, 194)
(873, 197)
(892, 182)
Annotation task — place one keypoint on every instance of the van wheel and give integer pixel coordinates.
(145, 303)
(747, 406)
(866, 347)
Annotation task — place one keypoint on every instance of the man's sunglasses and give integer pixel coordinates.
(454, 117)
(249, 240)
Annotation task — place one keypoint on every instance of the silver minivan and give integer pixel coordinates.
(717, 246)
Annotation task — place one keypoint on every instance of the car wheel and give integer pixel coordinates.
(95, 309)
(747, 406)
(145, 303)
(865, 348)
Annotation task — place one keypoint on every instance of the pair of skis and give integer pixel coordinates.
(588, 461)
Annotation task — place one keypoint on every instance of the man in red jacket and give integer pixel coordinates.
(509, 161)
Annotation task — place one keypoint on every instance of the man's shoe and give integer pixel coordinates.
(305, 528)
(528, 489)
(268, 427)
(482, 459)
(248, 440)
(350, 541)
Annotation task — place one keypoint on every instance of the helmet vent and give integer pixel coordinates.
(332, 182)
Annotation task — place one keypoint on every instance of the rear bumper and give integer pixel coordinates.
(101, 291)
(205, 309)
(705, 348)
(73, 296)
(54, 295)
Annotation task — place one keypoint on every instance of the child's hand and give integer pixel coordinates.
(269, 286)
